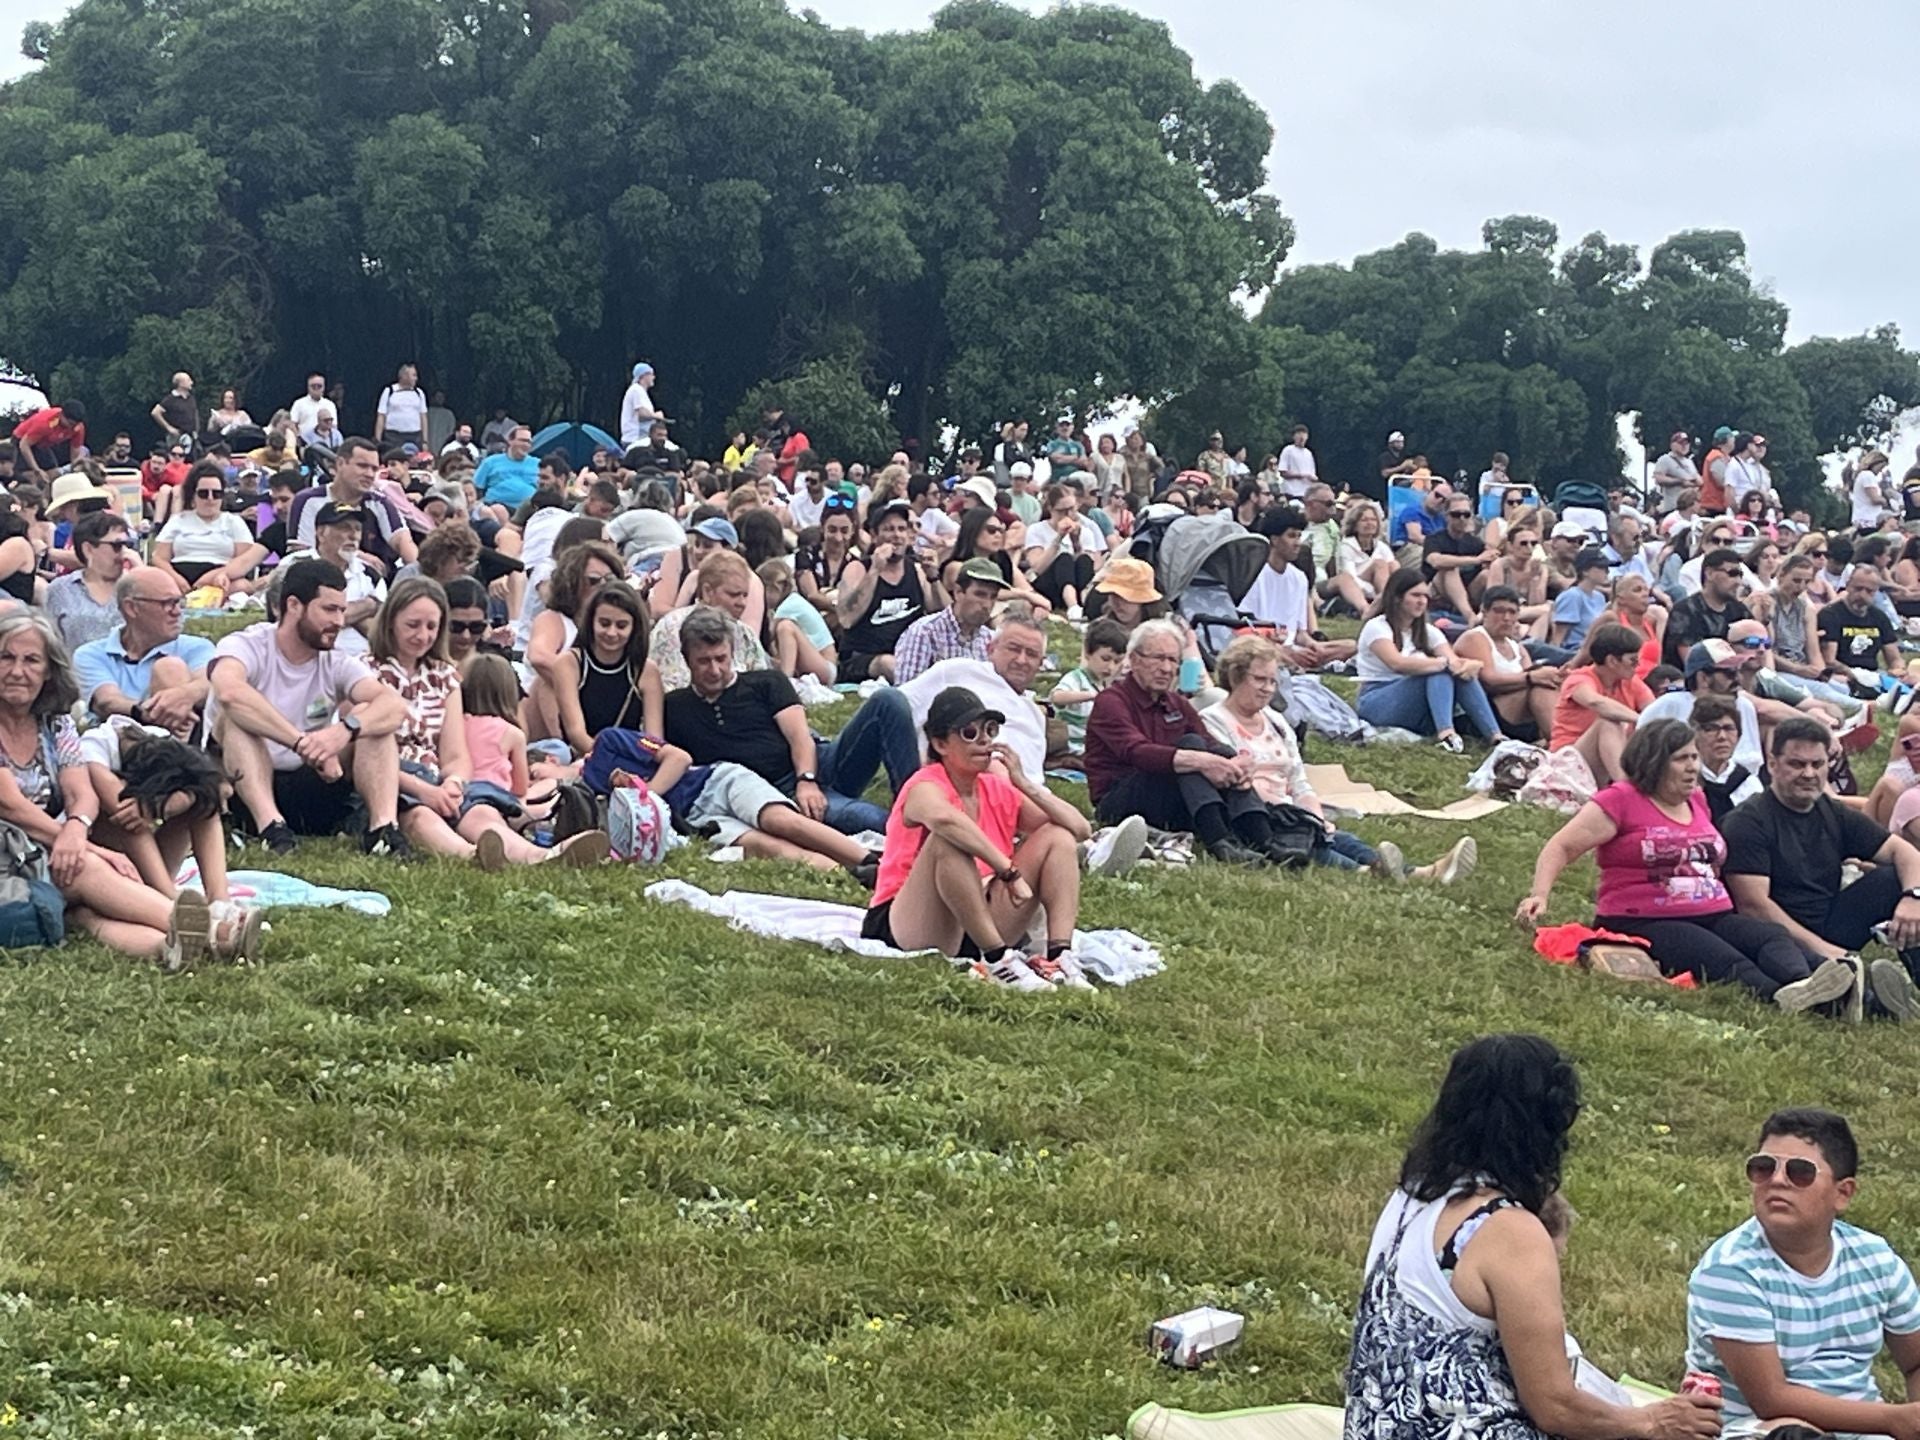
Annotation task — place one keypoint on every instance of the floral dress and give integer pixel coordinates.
(1412, 1376)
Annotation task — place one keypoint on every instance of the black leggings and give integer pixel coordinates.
(1066, 570)
(1727, 946)
(1189, 802)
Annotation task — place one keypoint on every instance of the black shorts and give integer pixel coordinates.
(309, 805)
(854, 667)
(194, 571)
(1526, 730)
(879, 925)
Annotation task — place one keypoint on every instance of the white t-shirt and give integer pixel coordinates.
(936, 527)
(308, 695)
(1744, 477)
(404, 410)
(1351, 559)
(1025, 732)
(199, 541)
(1369, 667)
(1866, 510)
(1041, 534)
(804, 510)
(1296, 460)
(1678, 705)
(536, 539)
(1279, 597)
(305, 413)
(636, 415)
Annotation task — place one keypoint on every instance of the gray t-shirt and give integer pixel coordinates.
(308, 695)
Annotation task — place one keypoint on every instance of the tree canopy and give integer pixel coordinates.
(1002, 212)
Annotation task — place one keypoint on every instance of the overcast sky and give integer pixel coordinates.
(1397, 115)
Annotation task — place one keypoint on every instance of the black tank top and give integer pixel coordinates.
(20, 586)
(607, 697)
(895, 604)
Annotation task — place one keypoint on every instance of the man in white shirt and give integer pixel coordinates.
(462, 441)
(401, 417)
(1002, 681)
(1282, 595)
(336, 539)
(809, 499)
(636, 408)
(306, 410)
(1675, 470)
(1297, 469)
(1627, 554)
(1747, 470)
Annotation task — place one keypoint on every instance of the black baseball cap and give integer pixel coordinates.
(955, 707)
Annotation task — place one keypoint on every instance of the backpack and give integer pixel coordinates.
(638, 823)
(32, 911)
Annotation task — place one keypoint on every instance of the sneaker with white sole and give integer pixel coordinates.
(1389, 863)
(1117, 850)
(189, 933)
(1894, 989)
(1011, 970)
(1063, 969)
(1457, 863)
(1832, 981)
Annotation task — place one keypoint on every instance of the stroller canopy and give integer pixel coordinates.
(576, 440)
(1216, 545)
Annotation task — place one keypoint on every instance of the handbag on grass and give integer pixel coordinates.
(1297, 834)
(32, 911)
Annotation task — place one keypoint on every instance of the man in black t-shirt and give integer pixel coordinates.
(1711, 613)
(1785, 850)
(1854, 631)
(755, 719)
(1454, 559)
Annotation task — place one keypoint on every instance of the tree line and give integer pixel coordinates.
(1000, 215)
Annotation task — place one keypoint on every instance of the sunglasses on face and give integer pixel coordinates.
(1816, 554)
(1801, 1172)
(1757, 642)
(990, 729)
(466, 627)
(1459, 515)
(208, 494)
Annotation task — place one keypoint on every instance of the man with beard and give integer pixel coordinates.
(303, 729)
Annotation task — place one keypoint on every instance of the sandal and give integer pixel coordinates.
(188, 930)
(235, 932)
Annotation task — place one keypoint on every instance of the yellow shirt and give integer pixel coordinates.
(733, 459)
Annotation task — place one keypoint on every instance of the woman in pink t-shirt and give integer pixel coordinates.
(971, 854)
(1660, 860)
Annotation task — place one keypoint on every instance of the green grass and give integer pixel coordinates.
(532, 1157)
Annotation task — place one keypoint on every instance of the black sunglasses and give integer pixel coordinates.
(1459, 514)
(208, 494)
(467, 627)
(1801, 1172)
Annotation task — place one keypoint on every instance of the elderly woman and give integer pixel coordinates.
(47, 792)
(205, 543)
(971, 857)
(1150, 754)
(1460, 1316)
(724, 582)
(1250, 669)
(443, 810)
(1660, 857)
(1409, 676)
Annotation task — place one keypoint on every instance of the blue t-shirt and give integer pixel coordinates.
(502, 480)
(1578, 609)
(105, 662)
(1827, 1328)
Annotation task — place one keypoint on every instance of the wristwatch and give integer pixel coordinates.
(808, 777)
(1914, 893)
(352, 722)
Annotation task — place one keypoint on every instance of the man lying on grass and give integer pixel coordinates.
(1789, 1310)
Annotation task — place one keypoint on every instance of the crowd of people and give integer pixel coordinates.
(459, 633)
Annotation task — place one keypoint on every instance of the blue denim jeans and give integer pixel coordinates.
(1425, 704)
(880, 734)
(1345, 852)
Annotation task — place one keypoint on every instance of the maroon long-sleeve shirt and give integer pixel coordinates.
(1131, 731)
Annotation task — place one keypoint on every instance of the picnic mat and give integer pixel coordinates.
(1272, 1422)
(1335, 787)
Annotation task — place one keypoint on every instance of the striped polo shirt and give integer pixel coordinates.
(1828, 1328)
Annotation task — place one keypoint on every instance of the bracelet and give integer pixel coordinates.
(1009, 876)
(85, 822)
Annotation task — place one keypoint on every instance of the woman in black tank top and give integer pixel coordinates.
(619, 685)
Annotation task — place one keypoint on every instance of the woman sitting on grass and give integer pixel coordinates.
(1660, 858)
(1460, 1314)
(1250, 669)
(619, 685)
(970, 856)
(796, 637)
(984, 534)
(1409, 676)
(47, 791)
(444, 810)
(578, 570)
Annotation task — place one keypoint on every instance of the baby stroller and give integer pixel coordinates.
(1205, 565)
(1587, 505)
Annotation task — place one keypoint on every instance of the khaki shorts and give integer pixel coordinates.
(731, 802)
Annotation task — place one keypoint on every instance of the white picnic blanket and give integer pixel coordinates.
(1117, 956)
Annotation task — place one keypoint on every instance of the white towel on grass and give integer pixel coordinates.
(1116, 956)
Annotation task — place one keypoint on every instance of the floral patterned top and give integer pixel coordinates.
(61, 740)
(425, 691)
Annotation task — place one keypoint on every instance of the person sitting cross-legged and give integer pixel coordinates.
(1282, 594)
(1787, 849)
(1599, 703)
(1790, 1309)
(970, 856)
(1660, 860)
(304, 728)
(146, 669)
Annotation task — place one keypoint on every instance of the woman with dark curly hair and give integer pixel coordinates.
(1453, 1335)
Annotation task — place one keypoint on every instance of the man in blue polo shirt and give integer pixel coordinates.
(145, 667)
(1789, 1310)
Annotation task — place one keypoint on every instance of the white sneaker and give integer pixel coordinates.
(1457, 863)
(1832, 981)
(1116, 850)
(1894, 989)
(1390, 863)
(1075, 614)
(1012, 970)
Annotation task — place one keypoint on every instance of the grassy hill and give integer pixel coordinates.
(533, 1157)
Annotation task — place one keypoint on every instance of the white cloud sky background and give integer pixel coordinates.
(1773, 117)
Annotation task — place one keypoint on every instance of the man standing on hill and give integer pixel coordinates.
(177, 413)
(1789, 1310)
(401, 416)
(1675, 470)
(1713, 473)
(1297, 468)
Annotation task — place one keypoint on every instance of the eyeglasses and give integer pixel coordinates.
(165, 602)
(1719, 727)
(978, 728)
(467, 627)
(1801, 1172)
(1143, 658)
(114, 545)
(1727, 570)
(1816, 554)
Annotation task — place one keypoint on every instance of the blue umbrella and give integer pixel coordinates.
(576, 440)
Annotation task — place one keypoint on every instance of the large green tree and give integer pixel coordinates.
(1000, 213)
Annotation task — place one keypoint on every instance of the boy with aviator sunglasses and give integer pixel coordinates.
(1789, 1310)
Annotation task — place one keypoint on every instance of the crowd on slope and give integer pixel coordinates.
(467, 646)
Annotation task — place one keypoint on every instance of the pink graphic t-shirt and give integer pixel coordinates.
(1657, 866)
